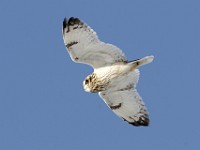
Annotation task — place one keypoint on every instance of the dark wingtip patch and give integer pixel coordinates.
(141, 122)
(65, 23)
(73, 21)
(70, 22)
(138, 123)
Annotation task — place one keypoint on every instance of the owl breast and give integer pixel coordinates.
(109, 78)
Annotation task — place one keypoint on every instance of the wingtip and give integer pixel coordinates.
(141, 122)
(73, 21)
(138, 123)
(70, 22)
(65, 23)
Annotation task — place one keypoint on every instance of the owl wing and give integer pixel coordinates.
(84, 46)
(128, 105)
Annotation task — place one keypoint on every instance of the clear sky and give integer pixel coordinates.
(42, 102)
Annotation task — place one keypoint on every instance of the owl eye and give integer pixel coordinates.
(86, 81)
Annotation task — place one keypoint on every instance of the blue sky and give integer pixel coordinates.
(42, 103)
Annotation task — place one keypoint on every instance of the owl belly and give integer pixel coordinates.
(118, 78)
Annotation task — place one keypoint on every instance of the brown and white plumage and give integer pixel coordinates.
(114, 78)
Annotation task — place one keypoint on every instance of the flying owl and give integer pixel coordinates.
(114, 77)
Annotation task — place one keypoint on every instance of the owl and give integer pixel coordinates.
(114, 77)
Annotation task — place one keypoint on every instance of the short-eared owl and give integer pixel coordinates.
(114, 77)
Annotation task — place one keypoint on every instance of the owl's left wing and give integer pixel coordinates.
(128, 105)
(84, 46)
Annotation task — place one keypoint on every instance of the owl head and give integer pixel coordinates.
(87, 84)
(92, 84)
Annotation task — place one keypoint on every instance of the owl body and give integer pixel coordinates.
(111, 78)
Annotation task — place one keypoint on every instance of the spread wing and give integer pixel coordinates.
(128, 105)
(84, 46)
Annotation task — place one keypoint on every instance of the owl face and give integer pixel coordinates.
(87, 84)
(93, 85)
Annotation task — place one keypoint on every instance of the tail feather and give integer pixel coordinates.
(140, 62)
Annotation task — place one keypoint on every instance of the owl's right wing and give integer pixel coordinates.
(128, 105)
(84, 46)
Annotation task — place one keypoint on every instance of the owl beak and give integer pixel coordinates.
(85, 87)
(87, 90)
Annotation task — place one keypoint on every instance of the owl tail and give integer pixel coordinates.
(140, 62)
